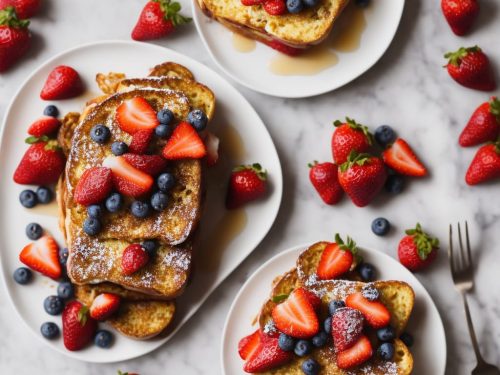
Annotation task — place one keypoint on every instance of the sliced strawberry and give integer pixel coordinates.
(313, 299)
(42, 256)
(275, 7)
(94, 186)
(136, 114)
(296, 316)
(212, 145)
(140, 141)
(347, 328)
(358, 354)
(128, 180)
(267, 356)
(375, 312)
(150, 164)
(134, 257)
(252, 2)
(185, 143)
(248, 345)
(337, 259)
(402, 159)
(45, 125)
(104, 305)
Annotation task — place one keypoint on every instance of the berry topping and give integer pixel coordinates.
(104, 305)
(136, 114)
(150, 164)
(337, 258)
(100, 134)
(94, 186)
(347, 328)
(198, 119)
(358, 354)
(375, 312)
(140, 141)
(185, 143)
(127, 179)
(119, 148)
(134, 257)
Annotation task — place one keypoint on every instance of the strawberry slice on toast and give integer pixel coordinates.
(127, 179)
(375, 312)
(136, 114)
(185, 143)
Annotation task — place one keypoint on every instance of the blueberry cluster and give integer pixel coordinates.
(297, 6)
(30, 198)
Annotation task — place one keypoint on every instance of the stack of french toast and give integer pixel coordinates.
(167, 231)
(314, 324)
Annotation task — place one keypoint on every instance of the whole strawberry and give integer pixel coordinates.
(417, 250)
(485, 166)
(471, 68)
(324, 177)
(483, 126)
(15, 38)
(349, 136)
(362, 176)
(63, 82)
(460, 14)
(247, 183)
(78, 327)
(158, 18)
(275, 7)
(42, 163)
(24, 8)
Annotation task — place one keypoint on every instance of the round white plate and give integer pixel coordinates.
(227, 238)
(429, 350)
(253, 68)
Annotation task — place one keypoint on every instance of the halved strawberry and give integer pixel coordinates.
(313, 299)
(42, 256)
(375, 312)
(359, 353)
(185, 143)
(347, 328)
(212, 145)
(267, 356)
(140, 141)
(402, 159)
(94, 186)
(128, 180)
(104, 305)
(296, 316)
(136, 114)
(45, 125)
(150, 164)
(337, 259)
(248, 345)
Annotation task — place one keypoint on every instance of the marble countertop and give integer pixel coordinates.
(408, 89)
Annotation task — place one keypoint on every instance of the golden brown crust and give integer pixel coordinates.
(171, 69)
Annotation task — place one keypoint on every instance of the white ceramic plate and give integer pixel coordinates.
(253, 68)
(227, 238)
(429, 350)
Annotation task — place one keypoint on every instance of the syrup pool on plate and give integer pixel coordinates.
(242, 43)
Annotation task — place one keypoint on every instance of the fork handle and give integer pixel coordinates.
(472, 333)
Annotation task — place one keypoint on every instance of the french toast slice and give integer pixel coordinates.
(302, 30)
(138, 317)
(171, 69)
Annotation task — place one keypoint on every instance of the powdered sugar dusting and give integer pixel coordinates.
(386, 368)
(270, 328)
(332, 289)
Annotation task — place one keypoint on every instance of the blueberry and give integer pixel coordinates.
(384, 135)
(103, 339)
(386, 334)
(327, 325)
(407, 339)
(294, 6)
(44, 195)
(381, 226)
(100, 134)
(198, 119)
(28, 198)
(302, 348)
(53, 305)
(286, 343)
(63, 256)
(165, 182)
(370, 293)
(163, 131)
(119, 148)
(159, 201)
(310, 367)
(34, 231)
(386, 351)
(367, 272)
(92, 226)
(51, 110)
(150, 246)
(94, 211)
(114, 202)
(49, 330)
(394, 184)
(320, 339)
(334, 305)
(165, 116)
(362, 3)
(139, 209)
(65, 290)
(310, 3)
(23, 275)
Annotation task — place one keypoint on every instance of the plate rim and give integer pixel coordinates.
(277, 187)
(302, 247)
(196, 11)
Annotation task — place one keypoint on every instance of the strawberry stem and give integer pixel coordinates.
(495, 108)
(310, 165)
(350, 245)
(8, 17)
(454, 58)
(356, 126)
(171, 11)
(280, 298)
(83, 315)
(255, 167)
(355, 158)
(425, 243)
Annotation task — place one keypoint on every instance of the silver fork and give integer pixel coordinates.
(463, 278)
